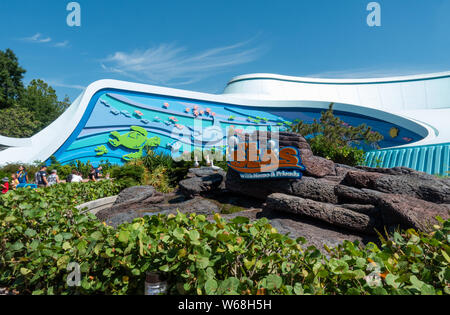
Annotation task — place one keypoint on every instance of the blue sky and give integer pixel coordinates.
(201, 44)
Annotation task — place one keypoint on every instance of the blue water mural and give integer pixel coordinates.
(117, 125)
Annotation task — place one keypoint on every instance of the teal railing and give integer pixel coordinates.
(431, 159)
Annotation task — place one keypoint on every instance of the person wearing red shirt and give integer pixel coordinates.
(5, 185)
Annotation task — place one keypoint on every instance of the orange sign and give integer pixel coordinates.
(248, 159)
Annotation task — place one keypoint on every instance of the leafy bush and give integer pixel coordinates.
(42, 232)
(175, 171)
(334, 139)
(339, 154)
(161, 163)
(131, 173)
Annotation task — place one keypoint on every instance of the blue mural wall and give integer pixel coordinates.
(117, 125)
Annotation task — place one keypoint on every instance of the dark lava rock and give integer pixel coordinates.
(204, 172)
(202, 180)
(255, 189)
(316, 233)
(317, 166)
(326, 212)
(360, 179)
(405, 182)
(127, 213)
(315, 189)
(135, 194)
(410, 212)
(347, 194)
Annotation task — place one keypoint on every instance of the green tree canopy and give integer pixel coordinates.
(17, 122)
(32, 108)
(11, 75)
(333, 139)
(41, 100)
(335, 131)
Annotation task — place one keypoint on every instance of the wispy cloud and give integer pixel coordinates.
(169, 63)
(61, 83)
(38, 38)
(62, 44)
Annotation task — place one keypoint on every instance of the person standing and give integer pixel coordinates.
(76, 177)
(5, 185)
(14, 181)
(98, 172)
(92, 174)
(22, 175)
(53, 179)
(41, 177)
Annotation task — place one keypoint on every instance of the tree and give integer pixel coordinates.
(334, 130)
(41, 100)
(11, 75)
(332, 138)
(17, 122)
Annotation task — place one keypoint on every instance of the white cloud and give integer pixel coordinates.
(37, 38)
(60, 83)
(169, 63)
(62, 44)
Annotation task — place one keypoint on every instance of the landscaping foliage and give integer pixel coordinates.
(41, 233)
(25, 111)
(332, 138)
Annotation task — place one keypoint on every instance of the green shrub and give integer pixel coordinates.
(131, 173)
(339, 154)
(332, 138)
(41, 232)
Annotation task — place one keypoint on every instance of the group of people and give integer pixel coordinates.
(43, 179)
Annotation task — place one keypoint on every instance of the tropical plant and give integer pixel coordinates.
(332, 138)
(42, 233)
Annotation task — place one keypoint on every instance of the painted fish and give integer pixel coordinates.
(104, 103)
(125, 113)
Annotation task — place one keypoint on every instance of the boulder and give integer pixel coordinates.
(317, 166)
(361, 179)
(326, 212)
(204, 172)
(317, 189)
(202, 180)
(427, 188)
(410, 212)
(128, 212)
(316, 233)
(256, 189)
(352, 195)
(135, 194)
(404, 182)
